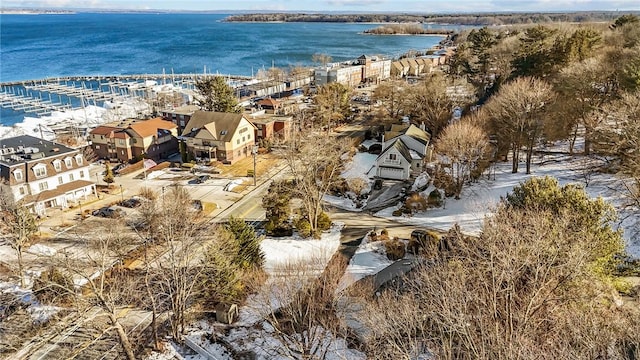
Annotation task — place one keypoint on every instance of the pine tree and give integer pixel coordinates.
(216, 95)
(108, 174)
(249, 253)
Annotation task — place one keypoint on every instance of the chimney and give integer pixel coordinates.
(422, 127)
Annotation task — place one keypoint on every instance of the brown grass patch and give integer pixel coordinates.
(263, 164)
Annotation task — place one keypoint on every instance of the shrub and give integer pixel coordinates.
(304, 227)
(324, 221)
(384, 235)
(415, 203)
(357, 185)
(53, 286)
(148, 193)
(395, 249)
(435, 198)
(397, 212)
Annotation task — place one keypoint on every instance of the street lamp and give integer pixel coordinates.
(254, 152)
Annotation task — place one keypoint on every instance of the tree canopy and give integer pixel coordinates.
(214, 94)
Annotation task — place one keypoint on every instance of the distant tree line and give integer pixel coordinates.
(463, 19)
(406, 29)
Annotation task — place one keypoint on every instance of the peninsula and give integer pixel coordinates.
(461, 19)
(406, 29)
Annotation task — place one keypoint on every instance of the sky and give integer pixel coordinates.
(362, 6)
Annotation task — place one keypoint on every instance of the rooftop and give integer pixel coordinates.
(25, 148)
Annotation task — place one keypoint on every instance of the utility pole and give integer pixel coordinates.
(255, 152)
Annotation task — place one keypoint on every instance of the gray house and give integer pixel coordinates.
(403, 152)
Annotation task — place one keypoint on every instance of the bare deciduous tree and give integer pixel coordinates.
(315, 166)
(19, 227)
(332, 104)
(90, 270)
(300, 306)
(391, 94)
(429, 102)
(523, 289)
(322, 59)
(584, 88)
(516, 115)
(462, 144)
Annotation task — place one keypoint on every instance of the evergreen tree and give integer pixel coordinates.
(108, 174)
(216, 95)
(589, 216)
(249, 253)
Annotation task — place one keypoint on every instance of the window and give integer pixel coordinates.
(21, 190)
(393, 157)
(244, 129)
(78, 159)
(238, 141)
(121, 142)
(60, 181)
(243, 139)
(40, 170)
(43, 186)
(82, 174)
(57, 164)
(97, 147)
(18, 175)
(67, 163)
(71, 177)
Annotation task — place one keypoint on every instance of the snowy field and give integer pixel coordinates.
(479, 199)
(251, 332)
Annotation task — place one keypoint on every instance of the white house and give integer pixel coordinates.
(403, 152)
(44, 174)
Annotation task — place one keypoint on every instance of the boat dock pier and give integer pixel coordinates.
(74, 91)
(30, 105)
(164, 78)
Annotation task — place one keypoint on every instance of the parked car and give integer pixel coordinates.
(377, 185)
(108, 212)
(200, 179)
(131, 203)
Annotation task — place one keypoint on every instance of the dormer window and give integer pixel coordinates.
(78, 159)
(68, 163)
(57, 164)
(18, 175)
(40, 170)
(223, 132)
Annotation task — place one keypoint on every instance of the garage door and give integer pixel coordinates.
(391, 173)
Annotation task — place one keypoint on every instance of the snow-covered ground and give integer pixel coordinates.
(283, 256)
(479, 199)
(82, 118)
(369, 259)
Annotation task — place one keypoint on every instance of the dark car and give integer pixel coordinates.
(377, 185)
(131, 203)
(200, 179)
(108, 212)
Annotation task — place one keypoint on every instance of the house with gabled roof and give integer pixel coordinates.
(131, 139)
(403, 153)
(42, 174)
(225, 137)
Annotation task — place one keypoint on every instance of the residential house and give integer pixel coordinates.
(270, 105)
(43, 174)
(403, 153)
(364, 69)
(226, 137)
(129, 140)
(271, 127)
(180, 115)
